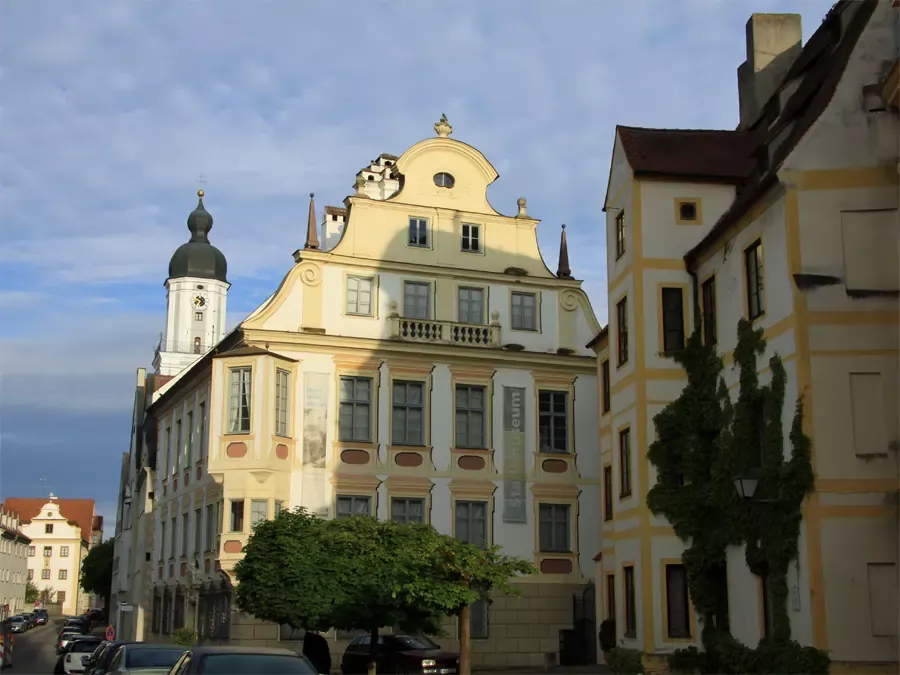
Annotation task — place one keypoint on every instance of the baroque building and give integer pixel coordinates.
(13, 563)
(789, 221)
(418, 362)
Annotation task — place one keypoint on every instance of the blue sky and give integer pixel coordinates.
(111, 111)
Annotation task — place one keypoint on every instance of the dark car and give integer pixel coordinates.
(144, 657)
(399, 654)
(234, 660)
(41, 616)
(99, 661)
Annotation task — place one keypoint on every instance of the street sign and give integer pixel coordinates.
(110, 633)
(125, 607)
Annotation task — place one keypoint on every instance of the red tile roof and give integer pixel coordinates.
(690, 153)
(79, 512)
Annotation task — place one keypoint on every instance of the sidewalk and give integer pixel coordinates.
(594, 669)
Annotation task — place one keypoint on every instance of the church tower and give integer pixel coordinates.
(196, 299)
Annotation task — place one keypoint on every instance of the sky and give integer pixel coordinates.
(111, 111)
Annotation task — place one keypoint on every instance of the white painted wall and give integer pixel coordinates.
(182, 327)
(63, 534)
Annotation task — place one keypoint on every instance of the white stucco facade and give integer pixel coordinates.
(13, 564)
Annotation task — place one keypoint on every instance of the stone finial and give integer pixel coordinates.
(361, 186)
(442, 127)
(312, 230)
(563, 271)
(522, 202)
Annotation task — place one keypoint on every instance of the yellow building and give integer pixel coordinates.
(791, 222)
(418, 362)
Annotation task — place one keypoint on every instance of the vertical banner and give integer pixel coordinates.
(514, 510)
(315, 418)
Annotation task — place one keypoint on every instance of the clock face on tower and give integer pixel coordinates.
(199, 301)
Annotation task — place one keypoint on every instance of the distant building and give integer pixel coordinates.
(62, 531)
(13, 563)
(789, 221)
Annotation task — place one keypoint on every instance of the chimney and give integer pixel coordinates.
(773, 43)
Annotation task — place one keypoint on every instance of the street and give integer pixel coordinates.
(34, 652)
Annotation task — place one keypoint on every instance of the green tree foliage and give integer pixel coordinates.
(703, 442)
(32, 592)
(97, 569)
(362, 574)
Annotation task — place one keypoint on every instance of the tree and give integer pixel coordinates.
(32, 592)
(97, 569)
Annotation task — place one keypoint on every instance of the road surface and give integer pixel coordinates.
(34, 652)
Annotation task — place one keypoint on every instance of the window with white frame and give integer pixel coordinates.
(237, 515)
(359, 295)
(259, 511)
(45, 574)
(198, 530)
(524, 311)
(553, 528)
(162, 541)
(355, 409)
(470, 305)
(408, 413)
(553, 421)
(63, 575)
(418, 231)
(282, 398)
(353, 505)
(210, 527)
(179, 446)
(63, 551)
(753, 269)
(201, 431)
(470, 522)
(48, 551)
(185, 534)
(416, 300)
(173, 541)
(407, 511)
(239, 400)
(471, 238)
(470, 416)
(189, 441)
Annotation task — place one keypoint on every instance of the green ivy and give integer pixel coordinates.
(704, 440)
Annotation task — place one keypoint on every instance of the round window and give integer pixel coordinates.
(444, 180)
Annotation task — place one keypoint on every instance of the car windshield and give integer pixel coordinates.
(258, 664)
(84, 646)
(151, 658)
(410, 642)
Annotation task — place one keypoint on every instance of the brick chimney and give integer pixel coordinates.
(773, 43)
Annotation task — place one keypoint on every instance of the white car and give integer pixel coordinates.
(77, 654)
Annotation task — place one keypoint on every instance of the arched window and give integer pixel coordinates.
(444, 179)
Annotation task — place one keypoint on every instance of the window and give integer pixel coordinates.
(444, 180)
(416, 300)
(408, 511)
(30, 575)
(620, 234)
(630, 606)
(237, 515)
(63, 551)
(418, 232)
(708, 295)
(48, 528)
(198, 316)
(408, 414)
(622, 331)
(471, 238)
(611, 596)
(282, 396)
(210, 527)
(179, 448)
(677, 608)
(524, 311)
(31, 551)
(470, 523)
(239, 401)
(45, 574)
(625, 463)
(48, 551)
(607, 493)
(478, 620)
(61, 597)
(202, 430)
(259, 511)
(553, 421)
(279, 507)
(753, 268)
(169, 448)
(352, 505)
(162, 541)
(355, 409)
(189, 441)
(673, 319)
(470, 305)
(359, 296)
(604, 374)
(173, 543)
(469, 416)
(198, 531)
(63, 575)
(687, 211)
(553, 528)
(185, 533)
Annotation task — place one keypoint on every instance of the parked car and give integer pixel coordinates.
(72, 660)
(98, 662)
(399, 654)
(41, 616)
(144, 658)
(229, 660)
(30, 619)
(17, 624)
(66, 636)
(95, 614)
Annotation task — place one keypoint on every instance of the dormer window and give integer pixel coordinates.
(444, 180)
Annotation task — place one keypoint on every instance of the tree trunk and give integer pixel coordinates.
(465, 639)
(373, 651)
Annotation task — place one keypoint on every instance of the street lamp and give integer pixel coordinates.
(746, 485)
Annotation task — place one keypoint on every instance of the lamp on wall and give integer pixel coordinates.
(746, 485)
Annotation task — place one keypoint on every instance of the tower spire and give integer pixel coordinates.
(563, 271)
(312, 231)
